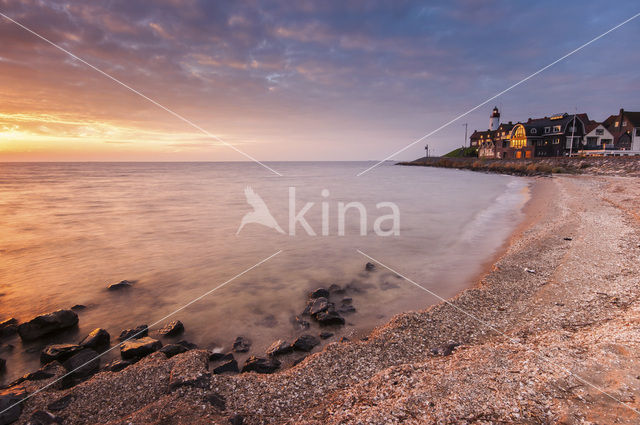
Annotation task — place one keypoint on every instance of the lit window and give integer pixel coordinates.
(556, 128)
(617, 123)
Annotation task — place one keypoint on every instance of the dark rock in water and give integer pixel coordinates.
(305, 343)
(298, 361)
(45, 372)
(171, 350)
(98, 338)
(220, 357)
(117, 365)
(347, 301)
(83, 364)
(216, 400)
(47, 324)
(137, 333)
(236, 420)
(172, 329)
(279, 348)
(318, 305)
(78, 307)
(40, 417)
(369, 267)
(241, 345)
(329, 317)
(138, 348)
(261, 365)
(320, 292)
(346, 309)
(300, 323)
(59, 352)
(10, 410)
(326, 335)
(445, 350)
(61, 403)
(336, 289)
(8, 327)
(124, 284)
(230, 366)
(188, 345)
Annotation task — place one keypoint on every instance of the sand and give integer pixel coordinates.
(558, 345)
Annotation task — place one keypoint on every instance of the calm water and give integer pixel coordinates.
(68, 230)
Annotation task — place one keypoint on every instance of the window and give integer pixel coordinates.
(556, 128)
(638, 132)
(624, 123)
(599, 131)
(617, 124)
(547, 129)
(527, 154)
(556, 141)
(534, 131)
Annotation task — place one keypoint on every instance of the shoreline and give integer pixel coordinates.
(411, 369)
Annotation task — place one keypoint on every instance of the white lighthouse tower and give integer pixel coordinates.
(494, 120)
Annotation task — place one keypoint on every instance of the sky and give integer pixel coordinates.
(298, 80)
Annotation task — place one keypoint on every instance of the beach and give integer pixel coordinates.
(547, 335)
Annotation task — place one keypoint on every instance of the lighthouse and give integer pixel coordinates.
(494, 119)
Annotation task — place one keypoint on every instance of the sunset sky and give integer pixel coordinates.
(297, 80)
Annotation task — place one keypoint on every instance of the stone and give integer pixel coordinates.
(117, 365)
(336, 289)
(46, 324)
(61, 403)
(172, 329)
(346, 309)
(188, 345)
(329, 317)
(59, 352)
(445, 350)
(326, 335)
(98, 338)
(320, 292)
(82, 364)
(261, 365)
(279, 348)
(10, 410)
(78, 307)
(369, 267)
(123, 284)
(137, 333)
(138, 348)
(8, 327)
(40, 417)
(319, 305)
(228, 367)
(219, 357)
(171, 350)
(241, 345)
(305, 343)
(347, 301)
(216, 400)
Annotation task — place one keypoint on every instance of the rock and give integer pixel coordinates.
(172, 329)
(219, 357)
(298, 361)
(528, 270)
(326, 335)
(319, 305)
(10, 410)
(336, 289)
(82, 364)
(8, 327)
(40, 417)
(279, 348)
(137, 333)
(190, 370)
(171, 350)
(568, 239)
(61, 403)
(347, 301)
(124, 284)
(78, 307)
(138, 348)
(305, 343)
(48, 371)
(369, 267)
(241, 345)
(98, 338)
(230, 366)
(188, 345)
(445, 350)
(216, 400)
(236, 420)
(346, 309)
(261, 365)
(320, 292)
(47, 324)
(59, 352)
(117, 365)
(329, 317)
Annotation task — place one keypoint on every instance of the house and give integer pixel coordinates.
(495, 137)
(625, 129)
(597, 137)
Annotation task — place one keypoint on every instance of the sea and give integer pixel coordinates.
(68, 230)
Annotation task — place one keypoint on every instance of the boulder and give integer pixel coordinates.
(82, 364)
(319, 305)
(47, 324)
(326, 335)
(230, 366)
(188, 345)
(172, 329)
(278, 348)
(137, 333)
(61, 403)
(78, 307)
(45, 372)
(261, 365)
(41, 417)
(59, 352)
(369, 267)
(138, 348)
(8, 327)
(305, 343)
(320, 292)
(171, 350)
(220, 357)
(117, 365)
(241, 345)
(329, 317)
(124, 284)
(10, 410)
(336, 289)
(98, 338)
(346, 309)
